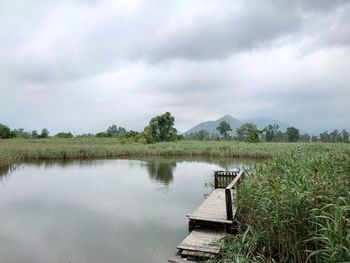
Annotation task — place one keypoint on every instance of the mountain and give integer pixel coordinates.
(210, 126)
(262, 123)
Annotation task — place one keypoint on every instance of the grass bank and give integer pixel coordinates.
(295, 208)
(13, 151)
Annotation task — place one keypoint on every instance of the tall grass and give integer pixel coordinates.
(295, 208)
(17, 150)
(14, 151)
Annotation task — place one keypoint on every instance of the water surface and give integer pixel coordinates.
(100, 211)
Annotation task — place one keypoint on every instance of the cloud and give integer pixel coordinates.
(104, 62)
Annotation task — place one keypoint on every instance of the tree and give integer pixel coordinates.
(314, 138)
(114, 130)
(44, 133)
(20, 133)
(345, 135)
(305, 137)
(324, 136)
(293, 134)
(269, 133)
(64, 135)
(224, 128)
(129, 134)
(161, 128)
(102, 134)
(34, 134)
(254, 135)
(203, 135)
(280, 136)
(5, 131)
(248, 132)
(148, 135)
(335, 136)
(272, 132)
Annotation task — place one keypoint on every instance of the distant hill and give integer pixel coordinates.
(262, 123)
(210, 126)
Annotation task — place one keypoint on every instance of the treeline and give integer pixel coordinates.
(249, 132)
(7, 133)
(160, 128)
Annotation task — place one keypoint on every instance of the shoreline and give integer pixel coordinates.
(15, 151)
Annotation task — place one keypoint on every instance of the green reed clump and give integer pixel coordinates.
(298, 207)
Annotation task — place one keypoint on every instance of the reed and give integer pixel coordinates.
(16, 150)
(295, 208)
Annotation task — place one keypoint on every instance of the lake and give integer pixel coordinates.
(101, 210)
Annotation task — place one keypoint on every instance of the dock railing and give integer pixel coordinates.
(224, 178)
(228, 180)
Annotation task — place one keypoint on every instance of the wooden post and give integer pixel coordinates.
(228, 198)
(216, 180)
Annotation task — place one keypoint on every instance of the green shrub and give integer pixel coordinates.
(5, 131)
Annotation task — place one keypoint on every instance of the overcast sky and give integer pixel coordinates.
(82, 65)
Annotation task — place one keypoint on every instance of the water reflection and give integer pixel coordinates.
(161, 170)
(46, 164)
(6, 171)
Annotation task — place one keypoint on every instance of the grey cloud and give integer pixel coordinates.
(254, 25)
(339, 33)
(153, 33)
(320, 5)
(98, 63)
(229, 32)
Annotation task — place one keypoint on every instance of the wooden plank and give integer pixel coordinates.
(202, 241)
(237, 180)
(217, 207)
(213, 209)
(223, 178)
(228, 202)
(180, 261)
(223, 221)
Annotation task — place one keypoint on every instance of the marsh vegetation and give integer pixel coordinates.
(294, 207)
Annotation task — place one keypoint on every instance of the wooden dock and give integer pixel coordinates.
(201, 244)
(213, 208)
(213, 219)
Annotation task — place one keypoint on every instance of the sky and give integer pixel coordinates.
(83, 65)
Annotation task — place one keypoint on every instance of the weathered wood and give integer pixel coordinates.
(218, 212)
(202, 241)
(221, 221)
(228, 195)
(228, 203)
(213, 209)
(180, 261)
(223, 178)
(237, 180)
(218, 207)
(216, 180)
